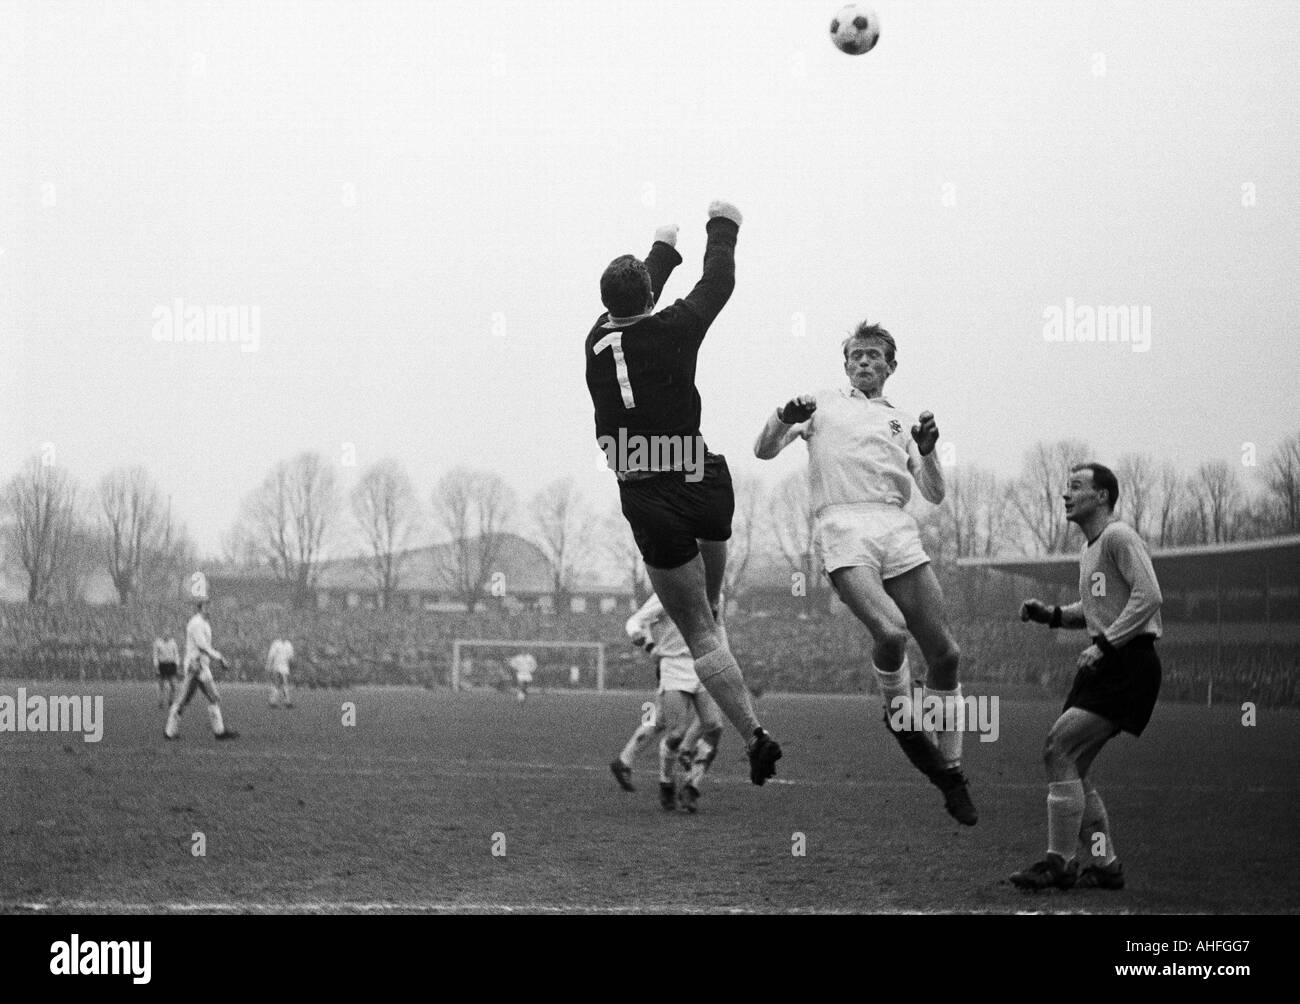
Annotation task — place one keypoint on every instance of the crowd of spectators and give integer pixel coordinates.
(811, 655)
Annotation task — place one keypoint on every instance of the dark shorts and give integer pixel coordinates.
(1121, 688)
(167, 669)
(668, 513)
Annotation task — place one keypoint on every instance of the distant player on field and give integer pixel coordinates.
(166, 664)
(199, 655)
(863, 456)
(1115, 687)
(278, 659)
(680, 698)
(677, 497)
(523, 666)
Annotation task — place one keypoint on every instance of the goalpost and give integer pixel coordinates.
(460, 645)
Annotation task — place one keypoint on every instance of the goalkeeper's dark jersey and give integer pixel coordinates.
(642, 376)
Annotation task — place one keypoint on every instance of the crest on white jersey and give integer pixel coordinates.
(199, 586)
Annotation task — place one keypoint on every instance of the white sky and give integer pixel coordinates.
(501, 154)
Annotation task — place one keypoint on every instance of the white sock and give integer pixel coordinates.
(949, 738)
(214, 717)
(893, 686)
(699, 763)
(667, 758)
(1065, 803)
(637, 743)
(173, 725)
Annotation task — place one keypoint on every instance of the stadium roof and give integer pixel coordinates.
(1247, 563)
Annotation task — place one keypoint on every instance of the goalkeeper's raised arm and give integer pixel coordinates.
(715, 287)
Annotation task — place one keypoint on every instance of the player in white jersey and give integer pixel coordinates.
(199, 656)
(167, 664)
(523, 666)
(681, 695)
(652, 725)
(278, 659)
(863, 457)
(1115, 686)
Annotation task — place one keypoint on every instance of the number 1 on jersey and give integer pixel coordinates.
(614, 340)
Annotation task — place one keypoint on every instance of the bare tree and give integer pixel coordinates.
(565, 525)
(973, 511)
(39, 504)
(386, 510)
(751, 503)
(473, 508)
(133, 528)
(1037, 494)
(287, 519)
(1283, 479)
(620, 548)
(1137, 477)
(1218, 495)
(1172, 492)
(792, 522)
(83, 557)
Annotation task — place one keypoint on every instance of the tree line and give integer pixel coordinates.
(56, 533)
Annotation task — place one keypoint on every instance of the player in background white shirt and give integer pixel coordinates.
(863, 457)
(523, 665)
(277, 666)
(167, 664)
(199, 656)
(681, 694)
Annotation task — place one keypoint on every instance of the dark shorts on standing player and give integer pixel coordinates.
(167, 669)
(669, 513)
(1122, 688)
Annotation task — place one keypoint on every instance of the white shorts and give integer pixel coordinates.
(678, 673)
(877, 535)
(200, 671)
(281, 676)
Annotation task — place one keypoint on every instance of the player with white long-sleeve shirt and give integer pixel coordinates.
(199, 656)
(681, 696)
(864, 455)
(278, 658)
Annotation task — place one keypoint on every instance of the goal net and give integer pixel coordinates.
(561, 665)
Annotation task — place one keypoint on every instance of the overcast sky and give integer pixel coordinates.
(418, 199)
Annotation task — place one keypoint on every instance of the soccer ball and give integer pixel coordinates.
(855, 29)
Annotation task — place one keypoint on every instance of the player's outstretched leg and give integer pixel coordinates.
(709, 722)
(219, 729)
(920, 599)
(862, 590)
(683, 593)
(173, 727)
(676, 712)
(1074, 739)
(621, 765)
(686, 754)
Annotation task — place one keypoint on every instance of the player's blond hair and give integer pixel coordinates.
(867, 330)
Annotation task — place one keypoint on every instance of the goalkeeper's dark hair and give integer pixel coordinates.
(625, 286)
(867, 330)
(1103, 478)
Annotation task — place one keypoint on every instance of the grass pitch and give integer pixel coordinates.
(403, 811)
